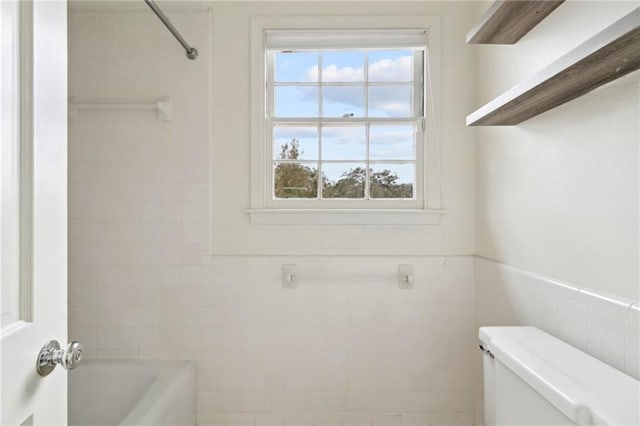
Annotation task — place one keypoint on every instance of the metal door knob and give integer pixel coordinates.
(51, 355)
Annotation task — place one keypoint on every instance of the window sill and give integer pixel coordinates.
(344, 216)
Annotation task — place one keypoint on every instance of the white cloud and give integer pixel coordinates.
(345, 134)
(297, 132)
(396, 70)
(392, 142)
(391, 134)
(384, 101)
(332, 73)
(399, 69)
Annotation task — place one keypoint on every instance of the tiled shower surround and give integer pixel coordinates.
(329, 350)
(347, 346)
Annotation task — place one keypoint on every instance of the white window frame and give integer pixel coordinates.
(425, 208)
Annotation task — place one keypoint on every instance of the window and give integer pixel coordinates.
(343, 120)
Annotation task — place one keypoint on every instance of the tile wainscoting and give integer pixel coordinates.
(602, 325)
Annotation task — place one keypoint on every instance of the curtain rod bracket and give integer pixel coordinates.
(192, 53)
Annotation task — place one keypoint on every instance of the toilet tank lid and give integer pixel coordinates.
(583, 388)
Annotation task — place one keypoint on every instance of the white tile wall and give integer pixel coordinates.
(603, 325)
(338, 350)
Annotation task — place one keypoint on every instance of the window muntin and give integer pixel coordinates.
(346, 124)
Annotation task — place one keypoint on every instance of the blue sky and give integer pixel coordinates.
(348, 141)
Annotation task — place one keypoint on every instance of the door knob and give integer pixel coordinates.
(51, 355)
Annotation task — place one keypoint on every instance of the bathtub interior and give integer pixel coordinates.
(104, 396)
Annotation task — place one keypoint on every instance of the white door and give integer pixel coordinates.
(33, 164)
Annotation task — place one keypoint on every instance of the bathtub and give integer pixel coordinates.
(123, 392)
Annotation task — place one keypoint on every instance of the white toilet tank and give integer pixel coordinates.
(532, 378)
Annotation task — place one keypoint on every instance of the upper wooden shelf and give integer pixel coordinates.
(506, 22)
(608, 55)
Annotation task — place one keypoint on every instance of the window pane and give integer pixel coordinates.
(343, 67)
(344, 143)
(392, 142)
(344, 101)
(313, 141)
(390, 101)
(343, 180)
(391, 65)
(296, 67)
(296, 101)
(295, 180)
(295, 143)
(392, 180)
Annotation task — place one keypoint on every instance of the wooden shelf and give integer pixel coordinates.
(506, 22)
(608, 55)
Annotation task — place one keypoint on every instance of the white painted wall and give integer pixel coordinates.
(558, 194)
(557, 199)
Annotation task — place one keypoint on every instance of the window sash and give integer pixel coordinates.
(367, 201)
(418, 91)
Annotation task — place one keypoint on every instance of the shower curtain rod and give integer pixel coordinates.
(192, 53)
